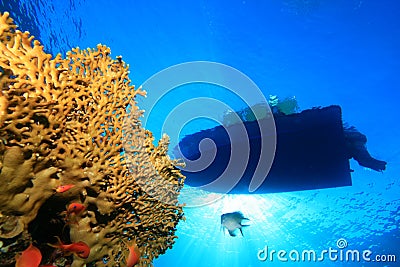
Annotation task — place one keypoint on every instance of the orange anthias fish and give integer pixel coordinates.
(134, 255)
(75, 209)
(30, 257)
(63, 188)
(81, 249)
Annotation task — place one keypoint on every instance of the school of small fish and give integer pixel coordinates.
(31, 256)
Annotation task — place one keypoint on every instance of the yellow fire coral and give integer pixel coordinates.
(74, 121)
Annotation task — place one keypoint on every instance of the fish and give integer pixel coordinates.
(30, 257)
(232, 222)
(63, 188)
(134, 255)
(81, 249)
(75, 208)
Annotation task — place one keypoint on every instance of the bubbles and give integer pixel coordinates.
(167, 88)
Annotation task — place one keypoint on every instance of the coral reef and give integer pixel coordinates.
(70, 137)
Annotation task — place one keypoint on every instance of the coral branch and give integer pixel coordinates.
(75, 122)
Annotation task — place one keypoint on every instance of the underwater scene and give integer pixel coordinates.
(204, 133)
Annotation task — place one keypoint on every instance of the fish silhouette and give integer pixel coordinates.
(233, 221)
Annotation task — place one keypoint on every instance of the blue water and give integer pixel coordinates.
(344, 52)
